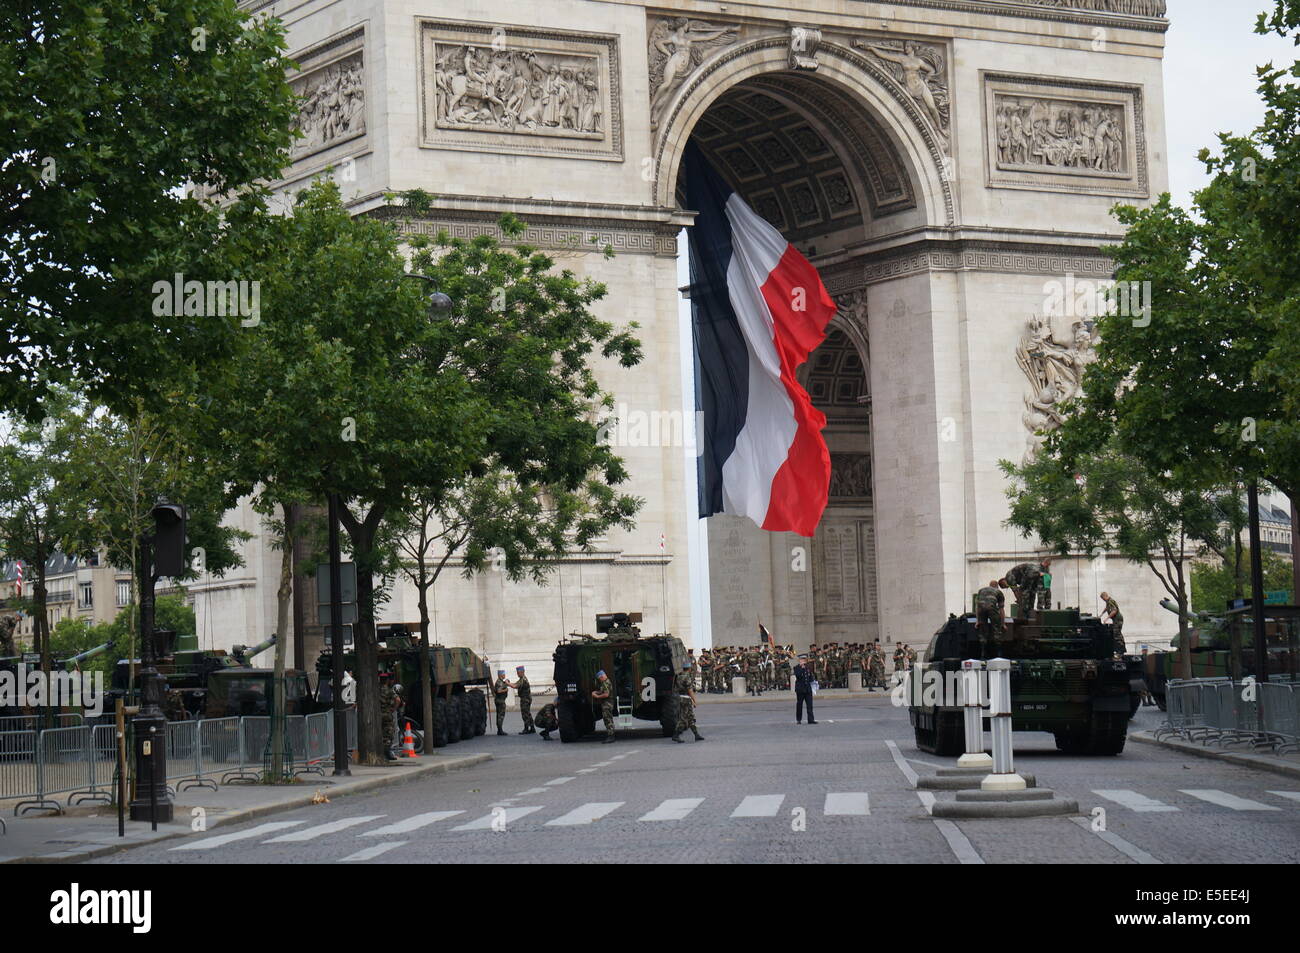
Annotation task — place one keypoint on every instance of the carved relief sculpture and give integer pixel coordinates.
(1039, 133)
(803, 48)
(333, 106)
(850, 476)
(517, 90)
(677, 46)
(1054, 370)
(920, 68)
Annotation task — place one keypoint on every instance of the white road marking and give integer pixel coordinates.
(1293, 795)
(673, 809)
(759, 805)
(927, 800)
(1134, 801)
(1224, 799)
(412, 823)
(333, 827)
(617, 757)
(370, 853)
(1120, 844)
(586, 814)
(555, 781)
(507, 815)
(532, 791)
(585, 770)
(222, 839)
(902, 763)
(854, 802)
(602, 764)
(962, 848)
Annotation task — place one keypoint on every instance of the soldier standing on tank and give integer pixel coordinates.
(604, 693)
(547, 721)
(501, 693)
(684, 689)
(1116, 622)
(1025, 579)
(524, 694)
(388, 701)
(989, 603)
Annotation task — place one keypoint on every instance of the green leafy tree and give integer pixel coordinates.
(1215, 584)
(113, 110)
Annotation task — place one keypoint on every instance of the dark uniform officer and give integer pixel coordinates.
(803, 679)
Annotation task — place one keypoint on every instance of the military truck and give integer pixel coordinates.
(1065, 679)
(460, 709)
(640, 669)
(1222, 645)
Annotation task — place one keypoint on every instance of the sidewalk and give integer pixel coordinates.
(1285, 764)
(91, 830)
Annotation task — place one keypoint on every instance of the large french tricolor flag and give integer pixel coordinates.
(758, 309)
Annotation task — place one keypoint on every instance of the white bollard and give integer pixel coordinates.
(855, 681)
(1004, 777)
(738, 685)
(971, 699)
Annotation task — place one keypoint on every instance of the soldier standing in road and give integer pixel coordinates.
(876, 666)
(900, 659)
(909, 655)
(524, 693)
(989, 603)
(388, 713)
(803, 695)
(547, 721)
(684, 689)
(501, 693)
(1116, 622)
(604, 693)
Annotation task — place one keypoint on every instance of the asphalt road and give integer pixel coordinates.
(763, 789)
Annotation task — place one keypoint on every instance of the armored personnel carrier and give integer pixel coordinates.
(641, 669)
(460, 708)
(1065, 679)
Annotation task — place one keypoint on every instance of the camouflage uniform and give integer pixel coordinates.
(388, 713)
(547, 721)
(501, 692)
(685, 707)
(1117, 625)
(1025, 579)
(606, 706)
(988, 608)
(876, 668)
(524, 694)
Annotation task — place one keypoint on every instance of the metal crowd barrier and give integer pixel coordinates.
(1224, 712)
(34, 722)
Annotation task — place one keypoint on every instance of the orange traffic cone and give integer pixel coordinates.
(408, 743)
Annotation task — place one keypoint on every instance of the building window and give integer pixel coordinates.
(123, 594)
(87, 595)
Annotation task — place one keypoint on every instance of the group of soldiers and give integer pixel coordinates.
(1032, 585)
(767, 667)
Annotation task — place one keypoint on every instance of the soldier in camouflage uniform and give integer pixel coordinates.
(524, 694)
(604, 693)
(876, 666)
(501, 694)
(684, 689)
(1116, 622)
(388, 702)
(547, 721)
(989, 603)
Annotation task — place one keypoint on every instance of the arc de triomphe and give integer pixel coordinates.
(944, 163)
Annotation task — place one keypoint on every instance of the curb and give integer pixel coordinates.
(1259, 762)
(252, 813)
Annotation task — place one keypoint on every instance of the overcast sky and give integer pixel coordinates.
(1210, 59)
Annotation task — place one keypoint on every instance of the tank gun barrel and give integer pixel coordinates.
(1172, 606)
(242, 653)
(89, 654)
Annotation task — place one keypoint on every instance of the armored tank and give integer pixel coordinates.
(641, 669)
(460, 709)
(1065, 679)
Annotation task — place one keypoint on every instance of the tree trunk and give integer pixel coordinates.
(1184, 633)
(284, 600)
(426, 668)
(370, 743)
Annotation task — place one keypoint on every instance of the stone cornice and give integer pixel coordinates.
(1064, 11)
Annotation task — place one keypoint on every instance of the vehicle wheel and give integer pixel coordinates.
(480, 712)
(454, 719)
(668, 716)
(924, 740)
(949, 739)
(439, 724)
(1070, 743)
(1108, 734)
(568, 724)
(468, 715)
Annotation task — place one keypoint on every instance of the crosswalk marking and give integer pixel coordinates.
(507, 815)
(602, 764)
(855, 802)
(370, 853)
(1293, 795)
(333, 827)
(1134, 801)
(555, 781)
(673, 809)
(221, 840)
(532, 791)
(586, 770)
(759, 805)
(412, 823)
(586, 814)
(1224, 799)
